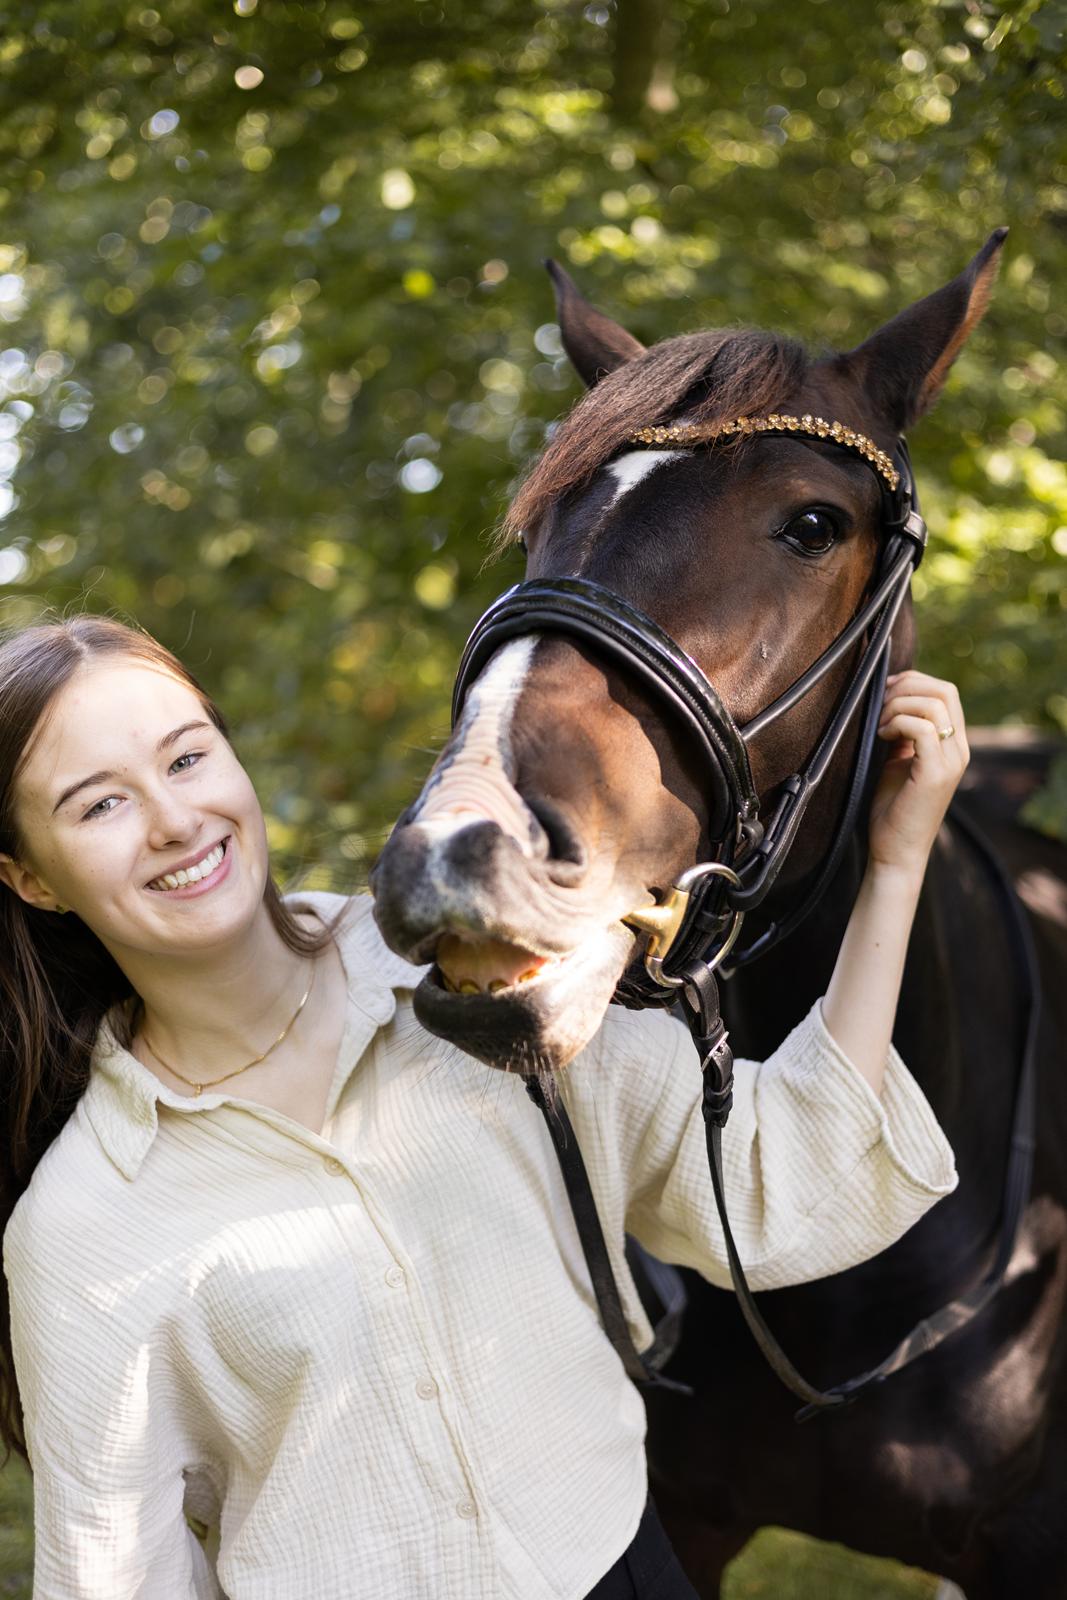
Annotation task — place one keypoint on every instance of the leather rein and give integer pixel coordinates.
(696, 927)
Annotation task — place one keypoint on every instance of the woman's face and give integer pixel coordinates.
(135, 813)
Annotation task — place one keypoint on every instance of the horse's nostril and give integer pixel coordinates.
(563, 843)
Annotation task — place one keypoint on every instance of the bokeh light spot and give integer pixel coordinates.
(126, 438)
(397, 189)
(420, 476)
(435, 586)
(13, 562)
(418, 284)
(161, 123)
(261, 440)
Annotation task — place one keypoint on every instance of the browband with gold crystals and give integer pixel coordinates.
(684, 433)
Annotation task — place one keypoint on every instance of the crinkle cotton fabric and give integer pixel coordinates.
(265, 1364)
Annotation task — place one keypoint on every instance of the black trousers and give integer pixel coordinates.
(648, 1570)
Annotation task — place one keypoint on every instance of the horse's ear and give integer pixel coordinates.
(595, 344)
(905, 363)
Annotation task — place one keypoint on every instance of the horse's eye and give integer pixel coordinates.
(810, 532)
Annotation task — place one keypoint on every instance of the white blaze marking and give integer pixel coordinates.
(474, 785)
(630, 470)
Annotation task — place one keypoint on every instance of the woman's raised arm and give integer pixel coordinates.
(923, 719)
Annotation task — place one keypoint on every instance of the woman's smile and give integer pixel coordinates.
(196, 876)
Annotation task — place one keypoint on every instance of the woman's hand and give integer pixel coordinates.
(922, 772)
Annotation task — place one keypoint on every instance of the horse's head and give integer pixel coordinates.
(564, 798)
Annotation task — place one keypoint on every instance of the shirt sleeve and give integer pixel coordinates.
(108, 1476)
(820, 1173)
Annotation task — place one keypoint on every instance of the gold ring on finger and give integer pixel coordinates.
(946, 733)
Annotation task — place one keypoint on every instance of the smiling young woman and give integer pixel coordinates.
(104, 868)
(278, 1262)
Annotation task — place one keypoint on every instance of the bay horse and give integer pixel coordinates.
(565, 798)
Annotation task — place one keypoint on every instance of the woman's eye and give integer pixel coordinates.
(110, 801)
(811, 532)
(189, 759)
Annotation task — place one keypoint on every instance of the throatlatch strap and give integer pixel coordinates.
(591, 1235)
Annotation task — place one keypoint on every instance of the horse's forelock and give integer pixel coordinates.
(707, 377)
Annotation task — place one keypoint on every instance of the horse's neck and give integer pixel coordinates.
(959, 1028)
(764, 1001)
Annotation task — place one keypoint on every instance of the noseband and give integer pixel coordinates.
(701, 916)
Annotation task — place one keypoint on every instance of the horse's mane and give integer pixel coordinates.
(706, 377)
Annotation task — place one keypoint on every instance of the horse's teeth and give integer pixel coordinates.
(496, 985)
(526, 976)
(468, 986)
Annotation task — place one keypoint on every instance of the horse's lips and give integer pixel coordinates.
(543, 1021)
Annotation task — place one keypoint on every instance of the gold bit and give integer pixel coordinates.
(660, 922)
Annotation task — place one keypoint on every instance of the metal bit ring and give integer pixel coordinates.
(662, 923)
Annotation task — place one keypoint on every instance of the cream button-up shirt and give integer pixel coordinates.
(268, 1365)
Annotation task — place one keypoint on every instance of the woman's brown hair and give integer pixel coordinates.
(56, 979)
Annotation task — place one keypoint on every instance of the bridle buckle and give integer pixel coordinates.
(663, 922)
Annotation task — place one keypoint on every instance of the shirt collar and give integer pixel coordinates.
(122, 1098)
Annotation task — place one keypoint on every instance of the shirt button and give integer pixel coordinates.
(333, 1166)
(426, 1389)
(466, 1509)
(394, 1277)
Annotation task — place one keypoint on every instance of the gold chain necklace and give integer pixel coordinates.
(210, 1083)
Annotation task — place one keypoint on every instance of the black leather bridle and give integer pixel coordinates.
(749, 852)
(712, 898)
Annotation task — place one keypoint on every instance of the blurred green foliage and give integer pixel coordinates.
(277, 338)
(16, 1532)
(778, 1564)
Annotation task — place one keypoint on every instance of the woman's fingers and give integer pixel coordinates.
(935, 712)
(915, 682)
(918, 705)
(935, 753)
(917, 693)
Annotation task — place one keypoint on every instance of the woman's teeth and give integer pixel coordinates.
(178, 880)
